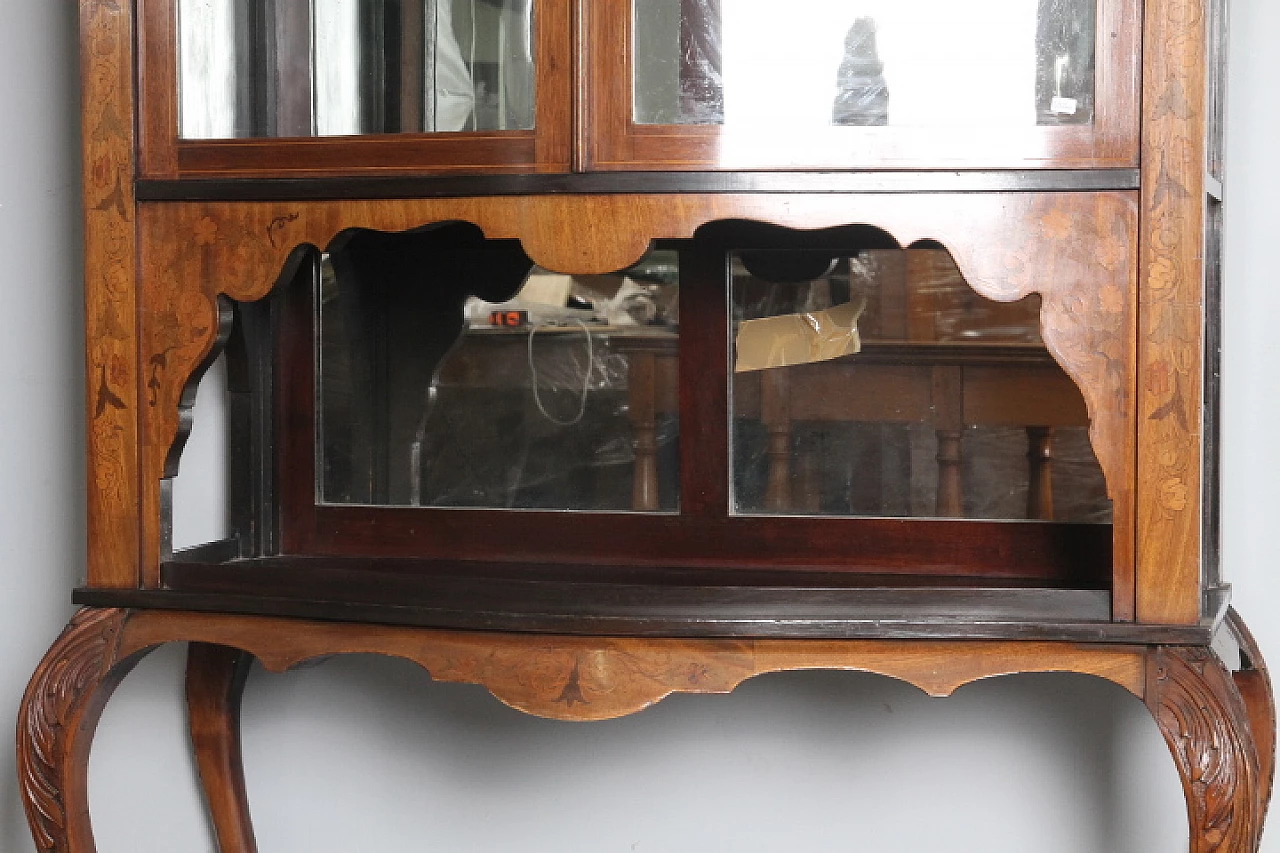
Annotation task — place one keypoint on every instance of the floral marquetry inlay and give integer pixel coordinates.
(1072, 248)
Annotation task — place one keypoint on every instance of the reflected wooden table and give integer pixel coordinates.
(949, 386)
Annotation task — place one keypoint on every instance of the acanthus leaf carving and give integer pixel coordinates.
(1203, 721)
(72, 670)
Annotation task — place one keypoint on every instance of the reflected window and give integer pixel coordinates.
(740, 63)
(878, 383)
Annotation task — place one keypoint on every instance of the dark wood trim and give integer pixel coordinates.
(447, 186)
(217, 551)
(892, 614)
(704, 382)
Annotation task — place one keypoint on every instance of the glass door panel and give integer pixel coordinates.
(298, 68)
(881, 385)
(926, 63)
(453, 373)
(750, 84)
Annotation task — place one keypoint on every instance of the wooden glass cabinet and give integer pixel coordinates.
(595, 351)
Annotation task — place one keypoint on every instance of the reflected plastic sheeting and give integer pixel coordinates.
(297, 68)
(821, 63)
(942, 404)
(557, 394)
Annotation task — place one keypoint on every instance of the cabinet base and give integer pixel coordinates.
(1220, 725)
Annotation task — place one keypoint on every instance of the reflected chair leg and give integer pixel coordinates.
(1040, 473)
(1207, 728)
(948, 413)
(643, 409)
(56, 724)
(216, 677)
(775, 404)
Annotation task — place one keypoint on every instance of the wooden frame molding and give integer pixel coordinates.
(1170, 296)
(111, 333)
(1072, 248)
(545, 148)
(1206, 720)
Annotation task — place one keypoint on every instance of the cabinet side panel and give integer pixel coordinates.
(111, 342)
(1171, 304)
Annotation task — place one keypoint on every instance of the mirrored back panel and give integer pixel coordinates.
(880, 384)
(299, 68)
(454, 373)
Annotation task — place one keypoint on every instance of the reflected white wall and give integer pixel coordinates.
(946, 64)
(206, 62)
(336, 67)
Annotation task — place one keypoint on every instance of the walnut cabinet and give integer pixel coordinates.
(596, 351)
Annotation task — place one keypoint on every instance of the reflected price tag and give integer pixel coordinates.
(509, 319)
(1063, 106)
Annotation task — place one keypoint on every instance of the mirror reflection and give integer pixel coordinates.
(878, 383)
(295, 68)
(742, 63)
(454, 373)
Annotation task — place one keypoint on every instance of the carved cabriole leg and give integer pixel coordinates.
(1203, 718)
(1254, 683)
(56, 722)
(215, 684)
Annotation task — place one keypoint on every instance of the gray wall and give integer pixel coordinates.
(367, 754)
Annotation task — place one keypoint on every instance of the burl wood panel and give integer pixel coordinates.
(111, 334)
(1170, 291)
(597, 678)
(1072, 248)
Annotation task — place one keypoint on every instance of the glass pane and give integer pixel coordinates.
(879, 384)
(742, 63)
(453, 373)
(272, 68)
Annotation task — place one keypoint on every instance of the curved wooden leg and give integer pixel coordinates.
(1254, 683)
(215, 685)
(56, 723)
(1206, 724)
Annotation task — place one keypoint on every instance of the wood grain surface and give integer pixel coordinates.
(216, 678)
(111, 332)
(1170, 295)
(596, 678)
